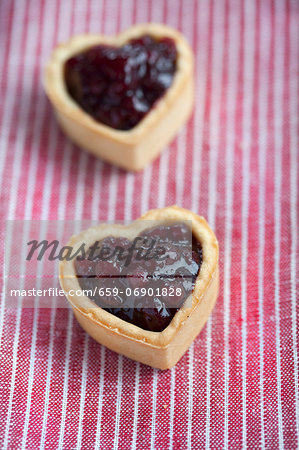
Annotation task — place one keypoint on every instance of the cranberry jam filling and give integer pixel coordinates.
(178, 267)
(119, 85)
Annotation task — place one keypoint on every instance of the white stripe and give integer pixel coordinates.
(83, 391)
(48, 379)
(112, 194)
(146, 182)
(100, 405)
(278, 123)
(118, 401)
(82, 166)
(217, 68)
(264, 46)
(172, 13)
(95, 211)
(64, 21)
(200, 92)
(130, 177)
(233, 63)
(182, 136)
(96, 12)
(180, 166)
(172, 394)
(163, 171)
(136, 403)
(65, 378)
(154, 409)
(294, 145)
(248, 74)
(65, 179)
(164, 157)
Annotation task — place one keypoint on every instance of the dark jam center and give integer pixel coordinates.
(119, 85)
(178, 267)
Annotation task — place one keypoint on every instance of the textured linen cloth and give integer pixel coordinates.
(235, 163)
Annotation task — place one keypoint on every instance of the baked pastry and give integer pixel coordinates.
(155, 334)
(122, 98)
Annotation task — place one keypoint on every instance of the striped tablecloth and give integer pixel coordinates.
(235, 163)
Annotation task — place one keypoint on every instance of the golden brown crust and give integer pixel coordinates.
(162, 349)
(131, 149)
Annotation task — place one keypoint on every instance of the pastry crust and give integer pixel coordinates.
(157, 349)
(135, 148)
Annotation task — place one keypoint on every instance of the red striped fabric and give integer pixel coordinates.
(236, 163)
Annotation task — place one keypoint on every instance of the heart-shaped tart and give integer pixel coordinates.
(122, 98)
(123, 306)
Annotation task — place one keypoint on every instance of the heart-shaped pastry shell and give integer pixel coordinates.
(157, 349)
(135, 148)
